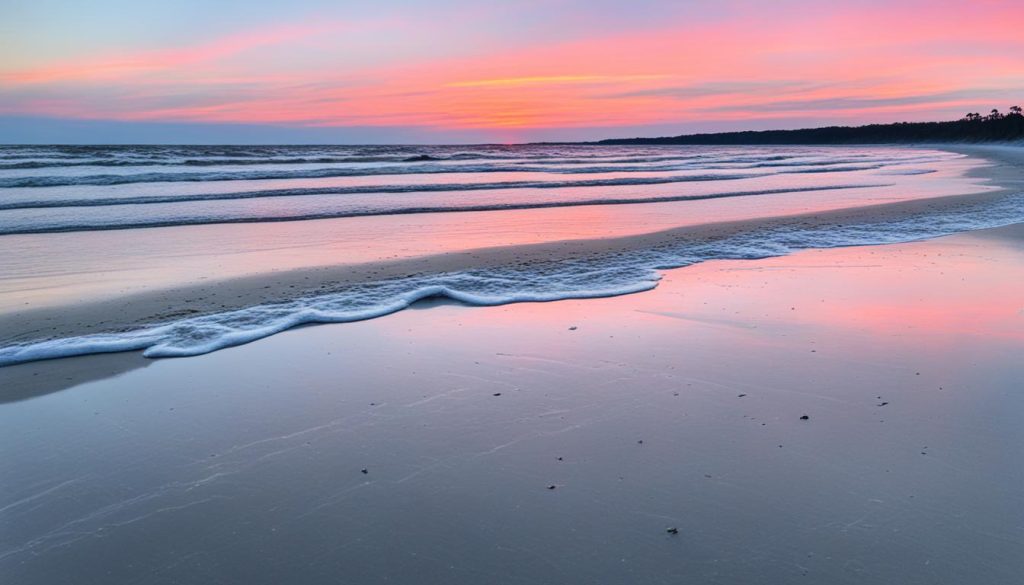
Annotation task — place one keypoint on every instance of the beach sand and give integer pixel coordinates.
(558, 442)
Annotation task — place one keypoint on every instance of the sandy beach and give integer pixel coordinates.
(557, 442)
(835, 416)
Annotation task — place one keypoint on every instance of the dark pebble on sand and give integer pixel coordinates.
(805, 417)
(496, 394)
(364, 471)
(551, 487)
(573, 328)
(672, 530)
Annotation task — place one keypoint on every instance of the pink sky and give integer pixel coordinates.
(522, 72)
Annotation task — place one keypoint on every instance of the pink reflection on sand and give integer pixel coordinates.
(933, 295)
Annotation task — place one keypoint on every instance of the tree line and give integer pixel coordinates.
(973, 127)
(993, 115)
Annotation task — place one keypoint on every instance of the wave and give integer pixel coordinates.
(211, 162)
(44, 160)
(595, 275)
(431, 166)
(365, 189)
(838, 169)
(208, 162)
(149, 222)
(424, 169)
(240, 156)
(907, 172)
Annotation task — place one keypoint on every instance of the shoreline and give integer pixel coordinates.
(27, 380)
(1001, 175)
(314, 451)
(158, 306)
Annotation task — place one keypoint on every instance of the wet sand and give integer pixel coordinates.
(557, 442)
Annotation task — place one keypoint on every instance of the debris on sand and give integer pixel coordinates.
(672, 530)
(805, 417)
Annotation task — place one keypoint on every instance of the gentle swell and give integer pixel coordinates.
(230, 162)
(554, 167)
(365, 189)
(424, 169)
(40, 227)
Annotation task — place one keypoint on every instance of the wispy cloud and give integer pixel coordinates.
(715, 88)
(554, 80)
(844, 103)
(443, 70)
(108, 67)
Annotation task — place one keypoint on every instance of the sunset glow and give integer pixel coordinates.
(459, 71)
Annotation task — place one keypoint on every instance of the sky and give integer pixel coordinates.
(457, 71)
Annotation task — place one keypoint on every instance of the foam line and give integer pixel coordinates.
(601, 275)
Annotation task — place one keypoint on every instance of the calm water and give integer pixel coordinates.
(89, 188)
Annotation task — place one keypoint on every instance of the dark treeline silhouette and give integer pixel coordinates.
(973, 127)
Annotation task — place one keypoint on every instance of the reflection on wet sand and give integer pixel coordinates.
(422, 447)
(25, 381)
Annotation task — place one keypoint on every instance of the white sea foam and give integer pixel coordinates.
(595, 275)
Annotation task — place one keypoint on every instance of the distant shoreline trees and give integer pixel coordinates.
(973, 127)
(993, 115)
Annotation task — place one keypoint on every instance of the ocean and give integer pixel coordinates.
(81, 224)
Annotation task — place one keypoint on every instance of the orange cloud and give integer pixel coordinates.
(850, 64)
(553, 79)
